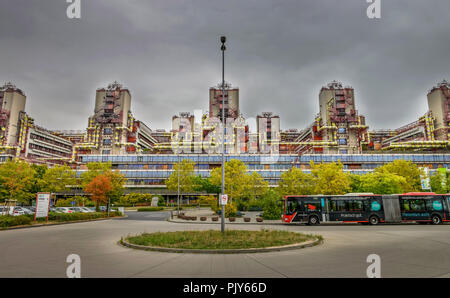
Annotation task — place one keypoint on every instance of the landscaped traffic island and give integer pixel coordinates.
(213, 241)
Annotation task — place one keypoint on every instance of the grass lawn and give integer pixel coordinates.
(231, 239)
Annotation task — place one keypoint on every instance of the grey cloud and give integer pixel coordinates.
(279, 53)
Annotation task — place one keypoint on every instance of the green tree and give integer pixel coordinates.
(58, 178)
(205, 185)
(183, 173)
(235, 178)
(406, 169)
(15, 181)
(382, 183)
(296, 182)
(272, 205)
(439, 183)
(36, 183)
(255, 185)
(330, 179)
(355, 182)
(130, 199)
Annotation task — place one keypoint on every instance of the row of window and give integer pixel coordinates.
(45, 149)
(49, 141)
(267, 175)
(420, 205)
(382, 158)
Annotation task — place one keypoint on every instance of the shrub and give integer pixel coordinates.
(272, 208)
(206, 200)
(161, 201)
(147, 209)
(230, 210)
(62, 217)
(10, 221)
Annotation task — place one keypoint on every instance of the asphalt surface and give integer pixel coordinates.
(134, 215)
(405, 251)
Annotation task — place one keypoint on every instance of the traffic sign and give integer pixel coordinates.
(223, 199)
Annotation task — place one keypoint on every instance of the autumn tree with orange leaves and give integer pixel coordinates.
(99, 188)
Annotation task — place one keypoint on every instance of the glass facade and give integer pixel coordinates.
(154, 169)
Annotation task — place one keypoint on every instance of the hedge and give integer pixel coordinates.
(146, 209)
(10, 221)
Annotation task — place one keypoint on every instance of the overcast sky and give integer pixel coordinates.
(280, 53)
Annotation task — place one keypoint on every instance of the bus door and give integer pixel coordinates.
(447, 207)
(291, 209)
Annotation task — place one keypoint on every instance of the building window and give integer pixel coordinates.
(342, 141)
(107, 142)
(107, 131)
(106, 152)
(342, 130)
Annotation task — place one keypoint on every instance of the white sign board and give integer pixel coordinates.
(155, 201)
(42, 205)
(223, 199)
(425, 179)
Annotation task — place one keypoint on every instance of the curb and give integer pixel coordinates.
(228, 222)
(59, 223)
(310, 243)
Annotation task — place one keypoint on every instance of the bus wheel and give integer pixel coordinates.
(436, 220)
(313, 220)
(373, 220)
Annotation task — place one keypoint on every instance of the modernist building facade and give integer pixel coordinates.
(146, 156)
(148, 172)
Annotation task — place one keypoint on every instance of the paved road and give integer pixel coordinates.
(405, 251)
(134, 215)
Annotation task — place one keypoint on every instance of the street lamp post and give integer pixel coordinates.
(178, 192)
(223, 39)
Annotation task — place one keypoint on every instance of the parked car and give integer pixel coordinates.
(86, 210)
(63, 210)
(104, 209)
(75, 209)
(31, 208)
(14, 211)
(25, 210)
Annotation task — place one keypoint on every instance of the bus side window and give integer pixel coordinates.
(417, 205)
(405, 205)
(365, 205)
(355, 205)
(332, 205)
(341, 205)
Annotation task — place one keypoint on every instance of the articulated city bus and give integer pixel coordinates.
(368, 208)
